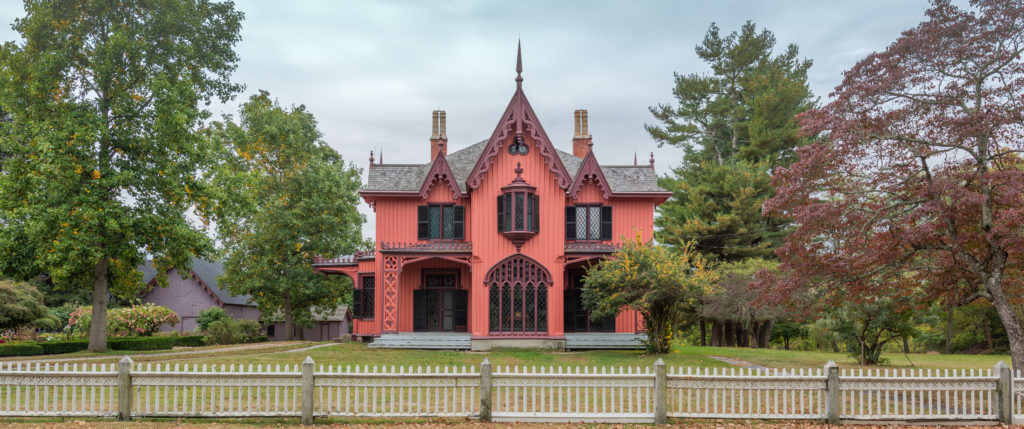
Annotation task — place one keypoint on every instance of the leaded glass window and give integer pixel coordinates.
(435, 222)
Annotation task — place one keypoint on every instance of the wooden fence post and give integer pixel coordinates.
(485, 391)
(307, 391)
(1004, 392)
(124, 389)
(832, 393)
(660, 393)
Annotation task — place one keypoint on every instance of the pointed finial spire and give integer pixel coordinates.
(519, 64)
(519, 171)
(371, 159)
(634, 158)
(652, 160)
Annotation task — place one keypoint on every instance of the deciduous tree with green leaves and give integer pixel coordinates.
(287, 197)
(105, 105)
(661, 284)
(22, 304)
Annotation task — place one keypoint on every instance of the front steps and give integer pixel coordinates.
(423, 340)
(463, 341)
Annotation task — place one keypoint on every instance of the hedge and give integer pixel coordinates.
(261, 339)
(141, 343)
(191, 340)
(63, 346)
(20, 349)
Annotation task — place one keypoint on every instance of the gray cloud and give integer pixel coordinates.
(372, 72)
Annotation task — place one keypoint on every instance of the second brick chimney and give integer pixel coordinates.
(439, 135)
(581, 140)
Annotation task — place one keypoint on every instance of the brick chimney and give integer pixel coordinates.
(581, 140)
(439, 136)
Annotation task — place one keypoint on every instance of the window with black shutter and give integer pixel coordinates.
(441, 222)
(362, 299)
(588, 223)
(518, 211)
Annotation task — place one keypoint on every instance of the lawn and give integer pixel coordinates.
(359, 354)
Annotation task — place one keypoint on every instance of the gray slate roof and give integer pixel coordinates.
(409, 177)
(208, 272)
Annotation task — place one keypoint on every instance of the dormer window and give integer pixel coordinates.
(518, 210)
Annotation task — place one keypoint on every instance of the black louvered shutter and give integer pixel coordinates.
(422, 224)
(606, 222)
(460, 222)
(570, 223)
(357, 303)
(508, 210)
(419, 310)
(369, 296)
(501, 215)
(535, 200)
(461, 308)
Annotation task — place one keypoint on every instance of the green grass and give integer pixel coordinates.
(359, 354)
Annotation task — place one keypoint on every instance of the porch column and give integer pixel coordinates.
(389, 294)
(556, 296)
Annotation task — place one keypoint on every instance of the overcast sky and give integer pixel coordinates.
(372, 72)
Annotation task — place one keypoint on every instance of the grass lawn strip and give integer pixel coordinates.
(112, 356)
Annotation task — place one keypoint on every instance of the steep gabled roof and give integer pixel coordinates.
(440, 172)
(207, 272)
(519, 119)
(590, 171)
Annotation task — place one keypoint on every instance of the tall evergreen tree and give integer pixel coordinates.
(104, 148)
(288, 197)
(735, 124)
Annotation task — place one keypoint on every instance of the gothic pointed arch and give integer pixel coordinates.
(519, 119)
(518, 297)
(590, 172)
(440, 172)
(518, 268)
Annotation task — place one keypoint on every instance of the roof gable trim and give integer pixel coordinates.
(590, 171)
(518, 119)
(440, 171)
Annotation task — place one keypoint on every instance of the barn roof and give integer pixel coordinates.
(208, 272)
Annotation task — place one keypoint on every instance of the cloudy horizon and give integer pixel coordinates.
(372, 72)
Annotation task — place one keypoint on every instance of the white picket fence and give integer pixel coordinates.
(543, 394)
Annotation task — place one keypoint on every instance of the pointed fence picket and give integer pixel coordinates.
(397, 391)
(45, 389)
(578, 394)
(513, 393)
(746, 393)
(918, 394)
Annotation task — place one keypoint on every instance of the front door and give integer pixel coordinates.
(439, 304)
(577, 318)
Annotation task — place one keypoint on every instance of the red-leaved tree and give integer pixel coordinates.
(919, 174)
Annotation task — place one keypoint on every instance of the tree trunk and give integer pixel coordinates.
(745, 333)
(949, 329)
(764, 335)
(716, 333)
(703, 333)
(729, 334)
(906, 345)
(988, 336)
(1008, 317)
(289, 328)
(98, 325)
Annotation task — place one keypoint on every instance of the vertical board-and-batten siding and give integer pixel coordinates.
(185, 297)
(490, 247)
(629, 217)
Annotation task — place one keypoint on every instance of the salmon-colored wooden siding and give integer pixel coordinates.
(396, 217)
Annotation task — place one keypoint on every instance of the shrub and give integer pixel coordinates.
(142, 343)
(22, 304)
(191, 341)
(64, 346)
(137, 320)
(210, 315)
(20, 349)
(232, 331)
(261, 339)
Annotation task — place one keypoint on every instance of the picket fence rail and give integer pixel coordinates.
(543, 394)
